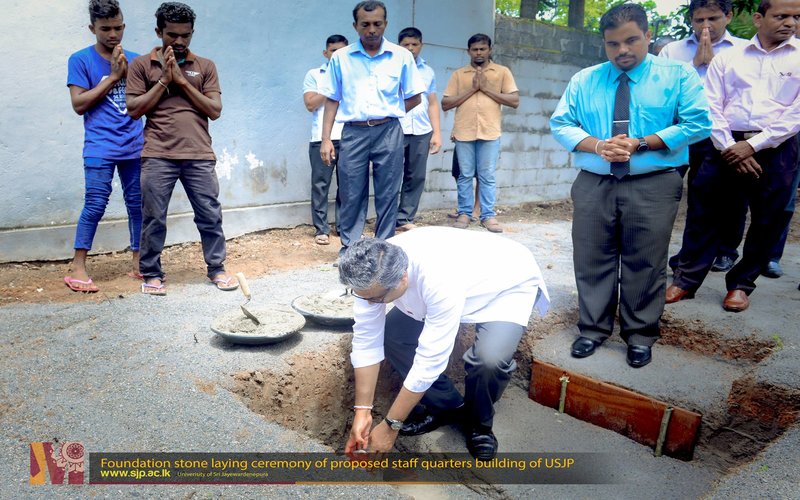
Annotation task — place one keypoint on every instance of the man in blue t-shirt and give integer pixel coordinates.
(112, 139)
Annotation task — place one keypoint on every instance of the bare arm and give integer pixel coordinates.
(433, 114)
(412, 102)
(450, 102)
(366, 379)
(511, 100)
(313, 101)
(83, 100)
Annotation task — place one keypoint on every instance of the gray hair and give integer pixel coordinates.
(372, 261)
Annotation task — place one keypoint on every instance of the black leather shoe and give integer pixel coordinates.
(723, 264)
(639, 355)
(428, 422)
(773, 270)
(482, 444)
(584, 347)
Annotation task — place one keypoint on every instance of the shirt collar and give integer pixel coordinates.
(420, 62)
(756, 42)
(491, 66)
(324, 67)
(635, 74)
(385, 47)
(154, 55)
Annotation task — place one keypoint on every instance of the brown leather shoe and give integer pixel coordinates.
(736, 301)
(676, 293)
(462, 222)
(492, 225)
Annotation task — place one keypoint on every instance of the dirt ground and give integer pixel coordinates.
(255, 254)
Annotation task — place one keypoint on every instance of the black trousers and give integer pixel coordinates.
(732, 227)
(768, 196)
(415, 168)
(620, 237)
(489, 364)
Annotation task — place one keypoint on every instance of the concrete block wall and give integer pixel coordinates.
(542, 57)
(261, 140)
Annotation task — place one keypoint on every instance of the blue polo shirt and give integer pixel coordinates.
(109, 132)
(667, 99)
(371, 87)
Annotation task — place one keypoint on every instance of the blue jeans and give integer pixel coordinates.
(98, 174)
(481, 157)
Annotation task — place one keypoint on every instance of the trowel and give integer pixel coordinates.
(246, 291)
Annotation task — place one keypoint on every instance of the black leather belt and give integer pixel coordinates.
(371, 123)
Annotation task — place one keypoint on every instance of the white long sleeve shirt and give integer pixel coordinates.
(454, 276)
(750, 89)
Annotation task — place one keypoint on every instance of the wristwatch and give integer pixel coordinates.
(396, 425)
(642, 146)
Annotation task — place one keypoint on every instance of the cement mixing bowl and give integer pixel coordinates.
(334, 308)
(277, 325)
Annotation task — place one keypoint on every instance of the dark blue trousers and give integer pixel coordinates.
(381, 146)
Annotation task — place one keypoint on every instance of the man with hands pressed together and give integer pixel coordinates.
(709, 20)
(112, 139)
(630, 122)
(754, 98)
(478, 91)
(422, 273)
(179, 92)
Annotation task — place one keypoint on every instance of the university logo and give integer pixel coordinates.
(59, 460)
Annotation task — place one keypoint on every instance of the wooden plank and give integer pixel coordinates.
(629, 413)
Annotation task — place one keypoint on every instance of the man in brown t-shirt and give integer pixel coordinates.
(178, 92)
(478, 90)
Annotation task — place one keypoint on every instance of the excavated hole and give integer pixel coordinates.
(694, 336)
(314, 394)
(758, 413)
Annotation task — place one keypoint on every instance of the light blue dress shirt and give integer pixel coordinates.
(417, 121)
(371, 87)
(667, 99)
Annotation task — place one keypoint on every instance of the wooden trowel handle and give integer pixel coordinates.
(243, 284)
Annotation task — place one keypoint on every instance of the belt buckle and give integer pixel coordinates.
(370, 124)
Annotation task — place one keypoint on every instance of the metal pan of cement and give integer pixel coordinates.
(277, 324)
(334, 308)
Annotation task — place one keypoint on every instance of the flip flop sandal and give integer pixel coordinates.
(88, 286)
(225, 284)
(322, 239)
(149, 289)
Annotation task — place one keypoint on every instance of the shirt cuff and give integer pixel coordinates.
(417, 385)
(758, 141)
(673, 137)
(367, 357)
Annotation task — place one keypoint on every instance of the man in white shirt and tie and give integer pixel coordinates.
(754, 100)
(430, 277)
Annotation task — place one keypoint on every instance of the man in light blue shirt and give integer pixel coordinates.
(422, 134)
(370, 84)
(630, 122)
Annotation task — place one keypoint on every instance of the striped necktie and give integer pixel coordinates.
(622, 114)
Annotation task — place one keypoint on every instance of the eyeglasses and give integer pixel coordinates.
(372, 300)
